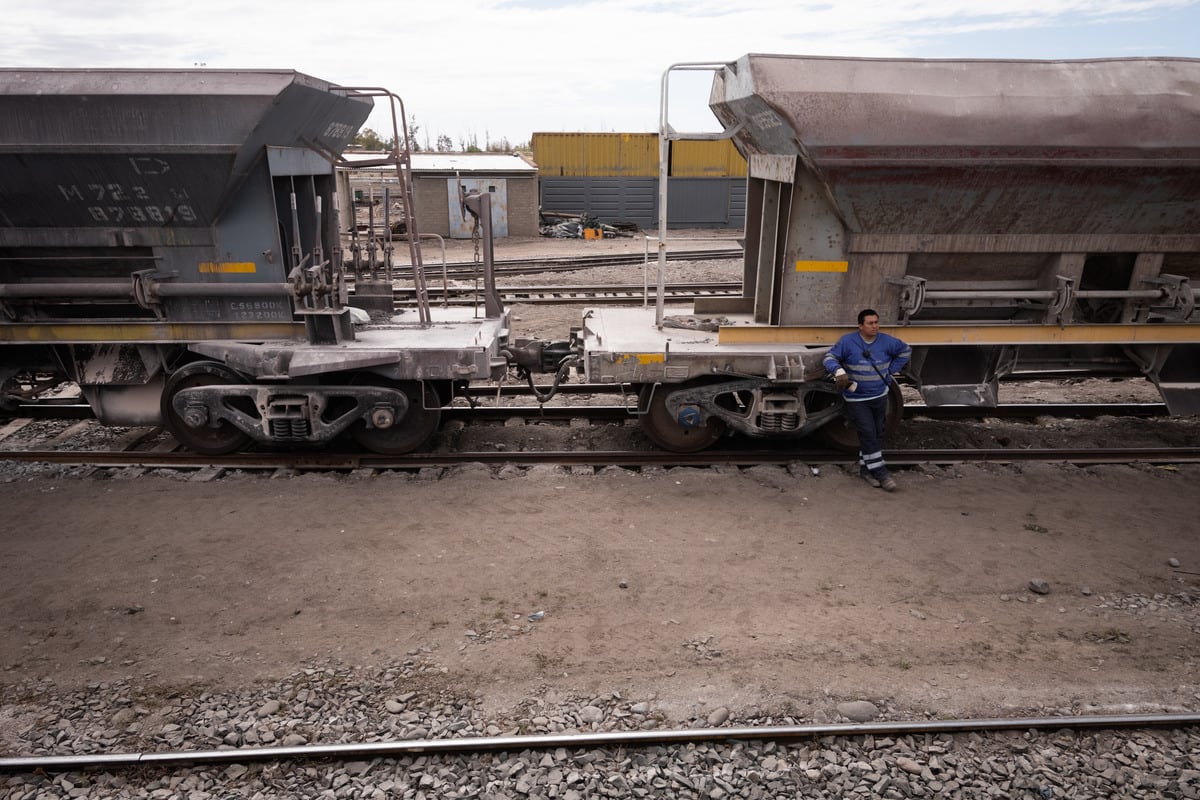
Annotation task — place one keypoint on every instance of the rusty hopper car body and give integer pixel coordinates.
(168, 239)
(1001, 216)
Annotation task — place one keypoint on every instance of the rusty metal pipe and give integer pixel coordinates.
(42, 290)
(1043, 294)
(125, 290)
(220, 289)
(1119, 294)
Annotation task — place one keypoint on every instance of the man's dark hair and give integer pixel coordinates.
(866, 312)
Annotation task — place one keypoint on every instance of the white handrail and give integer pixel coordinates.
(665, 134)
(646, 256)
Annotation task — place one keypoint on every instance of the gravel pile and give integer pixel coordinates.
(332, 704)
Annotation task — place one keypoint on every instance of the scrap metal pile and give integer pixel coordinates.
(581, 226)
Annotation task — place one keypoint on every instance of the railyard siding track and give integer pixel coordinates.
(573, 294)
(585, 458)
(141, 449)
(72, 409)
(614, 740)
(525, 266)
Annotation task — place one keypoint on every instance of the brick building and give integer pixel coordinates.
(437, 178)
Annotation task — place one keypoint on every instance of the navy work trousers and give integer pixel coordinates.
(868, 418)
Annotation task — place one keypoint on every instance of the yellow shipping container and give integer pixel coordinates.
(706, 159)
(632, 155)
(596, 154)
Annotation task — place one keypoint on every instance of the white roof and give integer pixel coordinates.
(456, 162)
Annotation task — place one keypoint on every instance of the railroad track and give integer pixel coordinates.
(608, 741)
(74, 445)
(77, 410)
(72, 407)
(593, 294)
(166, 458)
(527, 266)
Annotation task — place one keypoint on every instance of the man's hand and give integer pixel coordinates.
(841, 379)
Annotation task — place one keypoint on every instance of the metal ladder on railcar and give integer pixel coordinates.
(401, 159)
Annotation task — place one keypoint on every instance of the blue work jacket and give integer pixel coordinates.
(871, 366)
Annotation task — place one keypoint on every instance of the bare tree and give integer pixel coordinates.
(413, 128)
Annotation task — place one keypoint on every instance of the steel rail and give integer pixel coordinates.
(639, 738)
(73, 408)
(1024, 411)
(940, 413)
(598, 294)
(594, 458)
(520, 266)
(573, 298)
(548, 288)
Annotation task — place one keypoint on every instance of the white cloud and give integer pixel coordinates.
(507, 68)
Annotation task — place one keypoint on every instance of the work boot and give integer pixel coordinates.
(869, 478)
(888, 484)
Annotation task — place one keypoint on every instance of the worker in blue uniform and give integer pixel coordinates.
(864, 365)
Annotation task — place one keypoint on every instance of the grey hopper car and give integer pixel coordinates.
(168, 239)
(1004, 217)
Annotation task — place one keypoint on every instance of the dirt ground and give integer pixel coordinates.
(690, 587)
(695, 588)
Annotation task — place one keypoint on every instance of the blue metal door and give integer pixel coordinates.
(460, 228)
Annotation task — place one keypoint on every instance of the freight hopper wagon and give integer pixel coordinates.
(1003, 217)
(168, 240)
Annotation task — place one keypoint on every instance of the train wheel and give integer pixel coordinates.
(666, 432)
(840, 434)
(411, 431)
(203, 439)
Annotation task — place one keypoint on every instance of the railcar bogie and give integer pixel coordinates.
(192, 423)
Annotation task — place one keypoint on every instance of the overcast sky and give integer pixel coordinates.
(502, 69)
